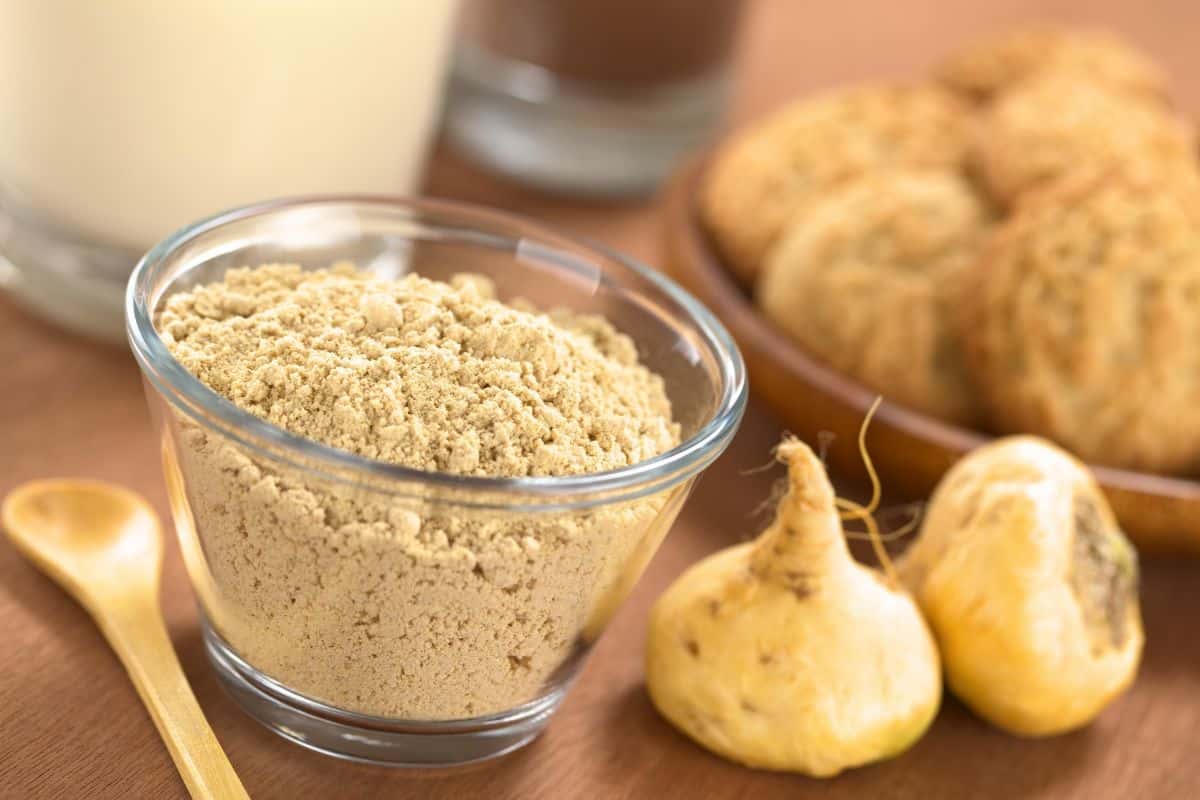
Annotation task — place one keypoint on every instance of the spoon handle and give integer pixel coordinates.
(134, 626)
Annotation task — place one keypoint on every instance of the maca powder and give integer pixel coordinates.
(409, 607)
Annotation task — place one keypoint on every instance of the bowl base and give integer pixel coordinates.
(374, 740)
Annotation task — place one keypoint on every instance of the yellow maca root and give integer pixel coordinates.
(1030, 587)
(785, 653)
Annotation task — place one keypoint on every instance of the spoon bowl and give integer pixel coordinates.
(85, 534)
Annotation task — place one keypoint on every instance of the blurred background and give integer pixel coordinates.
(582, 101)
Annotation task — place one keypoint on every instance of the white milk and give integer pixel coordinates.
(125, 119)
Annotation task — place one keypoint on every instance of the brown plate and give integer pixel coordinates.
(911, 450)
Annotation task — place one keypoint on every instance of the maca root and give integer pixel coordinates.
(787, 654)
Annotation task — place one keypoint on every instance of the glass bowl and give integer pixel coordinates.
(393, 615)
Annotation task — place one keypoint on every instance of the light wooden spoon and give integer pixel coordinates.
(103, 545)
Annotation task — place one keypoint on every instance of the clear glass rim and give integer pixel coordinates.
(190, 395)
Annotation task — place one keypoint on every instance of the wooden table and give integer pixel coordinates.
(72, 727)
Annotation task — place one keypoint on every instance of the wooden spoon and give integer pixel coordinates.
(103, 545)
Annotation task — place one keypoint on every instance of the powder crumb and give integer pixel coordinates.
(424, 374)
(411, 608)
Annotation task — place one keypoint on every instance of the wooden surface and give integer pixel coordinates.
(71, 725)
(911, 449)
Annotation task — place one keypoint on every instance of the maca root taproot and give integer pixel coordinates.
(785, 653)
(1030, 587)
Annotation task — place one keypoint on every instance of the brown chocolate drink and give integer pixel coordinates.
(615, 44)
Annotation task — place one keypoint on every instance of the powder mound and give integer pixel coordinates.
(425, 374)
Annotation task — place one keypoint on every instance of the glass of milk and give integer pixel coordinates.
(123, 120)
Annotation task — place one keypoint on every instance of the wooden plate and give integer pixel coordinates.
(910, 449)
